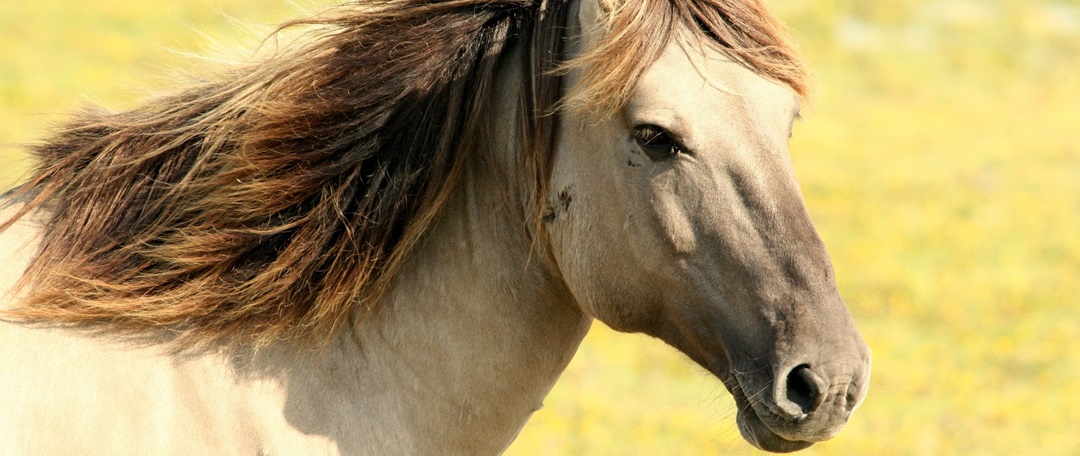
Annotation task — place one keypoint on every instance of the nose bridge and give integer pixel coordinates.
(776, 228)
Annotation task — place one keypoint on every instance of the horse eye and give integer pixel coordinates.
(656, 143)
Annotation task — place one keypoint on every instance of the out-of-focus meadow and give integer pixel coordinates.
(940, 160)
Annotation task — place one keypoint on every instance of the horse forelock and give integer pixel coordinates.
(636, 31)
(278, 199)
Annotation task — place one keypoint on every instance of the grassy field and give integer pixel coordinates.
(940, 160)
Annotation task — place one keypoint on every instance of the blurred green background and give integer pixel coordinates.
(940, 160)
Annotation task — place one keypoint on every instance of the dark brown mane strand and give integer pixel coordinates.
(278, 199)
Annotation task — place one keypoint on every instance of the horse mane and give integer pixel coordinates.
(277, 199)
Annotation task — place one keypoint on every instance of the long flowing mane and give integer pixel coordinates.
(275, 200)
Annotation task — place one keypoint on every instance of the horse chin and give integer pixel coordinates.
(758, 434)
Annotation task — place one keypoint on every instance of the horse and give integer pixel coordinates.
(390, 233)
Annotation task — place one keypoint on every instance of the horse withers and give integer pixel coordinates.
(391, 238)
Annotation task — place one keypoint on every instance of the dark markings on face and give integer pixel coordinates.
(562, 206)
(566, 197)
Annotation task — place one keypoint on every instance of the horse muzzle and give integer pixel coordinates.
(802, 405)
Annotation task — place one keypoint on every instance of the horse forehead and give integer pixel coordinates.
(692, 80)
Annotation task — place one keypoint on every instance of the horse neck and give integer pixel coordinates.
(475, 331)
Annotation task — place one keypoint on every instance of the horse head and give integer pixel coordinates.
(678, 215)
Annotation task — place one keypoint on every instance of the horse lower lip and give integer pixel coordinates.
(754, 429)
(757, 433)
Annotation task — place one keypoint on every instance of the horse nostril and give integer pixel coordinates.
(804, 388)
